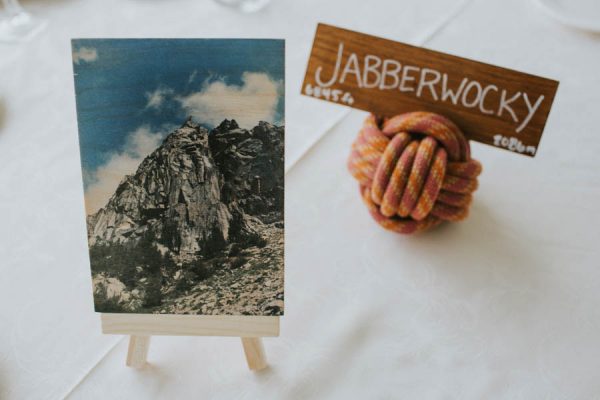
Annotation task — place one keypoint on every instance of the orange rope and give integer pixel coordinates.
(414, 170)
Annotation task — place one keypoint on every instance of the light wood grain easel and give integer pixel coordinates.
(140, 327)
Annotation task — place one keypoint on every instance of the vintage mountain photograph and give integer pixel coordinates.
(182, 155)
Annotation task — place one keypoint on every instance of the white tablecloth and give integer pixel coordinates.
(503, 305)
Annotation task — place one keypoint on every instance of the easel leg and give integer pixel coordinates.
(137, 351)
(255, 353)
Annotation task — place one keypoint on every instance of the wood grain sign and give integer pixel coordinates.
(492, 105)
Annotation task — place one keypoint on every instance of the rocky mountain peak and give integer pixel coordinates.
(198, 190)
(227, 125)
(189, 121)
(188, 132)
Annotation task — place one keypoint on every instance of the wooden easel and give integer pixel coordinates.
(140, 327)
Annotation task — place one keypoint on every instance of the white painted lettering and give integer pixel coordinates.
(505, 104)
(531, 110)
(336, 70)
(352, 68)
(465, 96)
(424, 82)
(483, 96)
(387, 72)
(407, 78)
(448, 93)
(371, 68)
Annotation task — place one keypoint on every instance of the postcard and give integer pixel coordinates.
(182, 155)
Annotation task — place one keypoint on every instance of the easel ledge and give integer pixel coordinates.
(141, 326)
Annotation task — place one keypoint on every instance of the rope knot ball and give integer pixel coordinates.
(414, 170)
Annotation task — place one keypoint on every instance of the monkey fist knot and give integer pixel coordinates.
(414, 170)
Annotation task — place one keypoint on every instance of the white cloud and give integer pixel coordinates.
(87, 54)
(252, 101)
(157, 98)
(107, 177)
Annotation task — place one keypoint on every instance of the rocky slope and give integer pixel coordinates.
(253, 286)
(201, 199)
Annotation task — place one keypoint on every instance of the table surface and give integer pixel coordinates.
(501, 306)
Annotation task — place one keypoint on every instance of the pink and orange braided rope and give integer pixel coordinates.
(415, 171)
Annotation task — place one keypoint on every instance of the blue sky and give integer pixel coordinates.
(132, 92)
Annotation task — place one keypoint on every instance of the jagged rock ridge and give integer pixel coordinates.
(198, 190)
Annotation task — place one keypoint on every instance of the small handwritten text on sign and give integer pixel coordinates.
(492, 105)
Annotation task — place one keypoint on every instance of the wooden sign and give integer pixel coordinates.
(492, 105)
